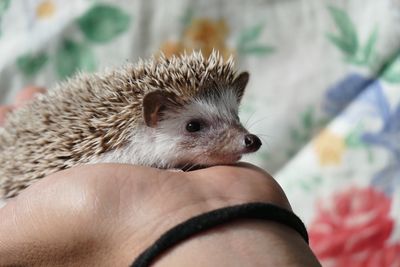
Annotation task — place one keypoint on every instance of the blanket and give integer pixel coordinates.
(324, 92)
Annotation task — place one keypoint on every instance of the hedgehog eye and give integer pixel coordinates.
(194, 126)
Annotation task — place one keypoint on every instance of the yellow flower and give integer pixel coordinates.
(329, 148)
(45, 9)
(202, 34)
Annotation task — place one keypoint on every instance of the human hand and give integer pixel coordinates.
(112, 212)
(107, 214)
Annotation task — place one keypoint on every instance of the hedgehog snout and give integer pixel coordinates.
(251, 143)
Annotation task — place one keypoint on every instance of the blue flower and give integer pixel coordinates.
(388, 178)
(389, 136)
(341, 94)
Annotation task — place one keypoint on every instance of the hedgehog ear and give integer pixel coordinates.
(153, 104)
(239, 84)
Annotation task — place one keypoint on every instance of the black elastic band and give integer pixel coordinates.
(200, 223)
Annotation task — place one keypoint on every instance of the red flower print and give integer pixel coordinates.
(354, 221)
(389, 256)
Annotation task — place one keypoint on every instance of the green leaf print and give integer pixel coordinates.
(187, 17)
(103, 22)
(73, 56)
(311, 183)
(392, 72)
(307, 118)
(31, 64)
(365, 55)
(248, 44)
(251, 34)
(4, 4)
(341, 44)
(353, 139)
(257, 49)
(310, 124)
(347, 40)
(369, 47)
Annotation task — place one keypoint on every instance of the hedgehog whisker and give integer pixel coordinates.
(194, 165)
(263, 135)
(248, 119)
(257, 121)
(185, 166)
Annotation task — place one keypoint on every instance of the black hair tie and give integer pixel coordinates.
(200, 223)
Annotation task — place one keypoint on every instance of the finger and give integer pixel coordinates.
(27, 94)
(4, 110)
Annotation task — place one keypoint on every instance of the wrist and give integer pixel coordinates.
(242, 243)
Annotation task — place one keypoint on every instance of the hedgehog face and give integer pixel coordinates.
(205, 131)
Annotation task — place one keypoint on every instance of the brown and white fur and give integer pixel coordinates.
(138, 114)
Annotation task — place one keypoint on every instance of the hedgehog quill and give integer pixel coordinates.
(166, 113)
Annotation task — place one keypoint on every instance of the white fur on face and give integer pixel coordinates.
(147, 148)
(169, 144)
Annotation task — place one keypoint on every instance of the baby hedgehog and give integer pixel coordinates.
(165, 113)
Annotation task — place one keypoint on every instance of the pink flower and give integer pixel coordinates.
(355, 221)
(389, 256)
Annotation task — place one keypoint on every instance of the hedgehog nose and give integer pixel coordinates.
(252, 143)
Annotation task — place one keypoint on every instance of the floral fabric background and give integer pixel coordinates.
(324, 93)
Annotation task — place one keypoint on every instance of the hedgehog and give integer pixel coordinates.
(169, 113)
